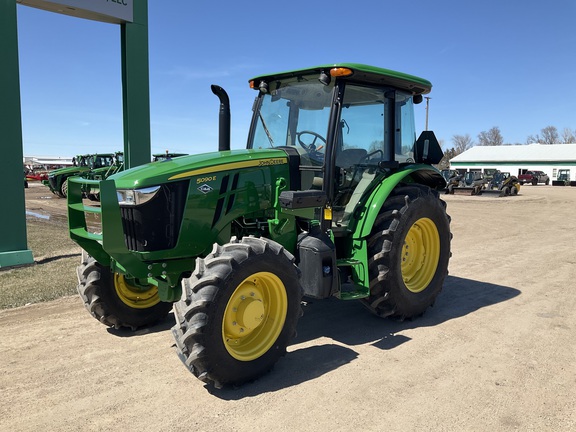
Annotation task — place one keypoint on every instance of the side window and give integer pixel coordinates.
(365, 122)
(363, 127)
(405, 128)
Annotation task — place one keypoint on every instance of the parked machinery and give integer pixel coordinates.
(563, 178)
(469, 183)
(503, 183)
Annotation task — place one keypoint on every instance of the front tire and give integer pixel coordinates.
(116, 301)
(409, 249)
(238, 311)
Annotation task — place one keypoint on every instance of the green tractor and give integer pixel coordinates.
(103, 166)
(333, 197)
(92, 166)
(58, 179)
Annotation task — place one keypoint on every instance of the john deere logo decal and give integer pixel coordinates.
(204, 188)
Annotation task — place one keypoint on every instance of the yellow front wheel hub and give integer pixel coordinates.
(254, 316)
(420, 255)
(134, 296)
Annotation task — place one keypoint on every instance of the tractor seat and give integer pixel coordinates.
(350, 157)
(347, 160)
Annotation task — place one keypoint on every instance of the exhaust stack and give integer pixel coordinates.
(224, 118)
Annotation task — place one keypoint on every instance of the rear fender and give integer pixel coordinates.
(422, 174)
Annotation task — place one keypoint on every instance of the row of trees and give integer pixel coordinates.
(493, 137)
(550, 135)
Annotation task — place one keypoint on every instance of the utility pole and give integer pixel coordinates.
(427, 109)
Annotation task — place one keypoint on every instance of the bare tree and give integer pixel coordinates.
(493, 137)
(461, 143)
(445, 162)
(568, 136)
(550, 135)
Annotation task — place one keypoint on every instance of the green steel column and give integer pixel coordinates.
(136, 88)
(13, 245)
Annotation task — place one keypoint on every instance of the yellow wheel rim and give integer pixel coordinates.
(420, 255)
(254, 316)
(134, 296)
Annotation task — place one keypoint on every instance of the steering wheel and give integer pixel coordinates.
(366, 158)
(310, 148)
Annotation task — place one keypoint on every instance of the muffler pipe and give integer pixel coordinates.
(223, 118)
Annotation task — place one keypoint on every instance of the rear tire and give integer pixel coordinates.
(238, 311)
(409, 249)
(114, 301)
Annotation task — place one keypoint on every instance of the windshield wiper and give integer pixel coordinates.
(266, 129)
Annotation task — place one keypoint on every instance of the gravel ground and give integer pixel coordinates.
(496, 352)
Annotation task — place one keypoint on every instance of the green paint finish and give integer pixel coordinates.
(372, 205)
(159, 217)
(136, 103)
(136, 87)
(16, 258)
(380, 194)
(364, 73)
(218, 188)
(200, 168)
(13, 247)
(282, 227)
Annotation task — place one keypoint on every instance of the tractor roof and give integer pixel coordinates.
(360, 73)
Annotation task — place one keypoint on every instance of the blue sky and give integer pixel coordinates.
(491, 63)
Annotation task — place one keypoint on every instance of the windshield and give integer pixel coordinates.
(100, 161)
(295, 113)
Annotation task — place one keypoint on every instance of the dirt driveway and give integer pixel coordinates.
(496, 353)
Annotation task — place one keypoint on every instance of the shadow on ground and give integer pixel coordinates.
(350, 324)
(161, 326)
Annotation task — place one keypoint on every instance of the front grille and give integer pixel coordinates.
(155, 225)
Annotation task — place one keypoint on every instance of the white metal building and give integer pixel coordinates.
(516, 159)
(47, 160)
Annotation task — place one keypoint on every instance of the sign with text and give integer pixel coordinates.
(113, 11)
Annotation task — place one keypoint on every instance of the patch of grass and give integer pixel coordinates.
(53, 274)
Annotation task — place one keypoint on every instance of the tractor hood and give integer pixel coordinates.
(184, 167)
(68, 170)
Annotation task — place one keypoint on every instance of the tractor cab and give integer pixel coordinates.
(345, 127)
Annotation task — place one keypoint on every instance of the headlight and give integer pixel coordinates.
(131, 197)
